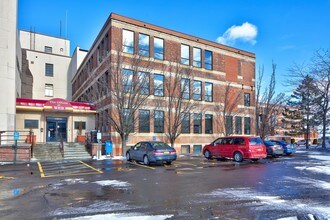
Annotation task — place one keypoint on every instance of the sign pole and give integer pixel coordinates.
(16, 137)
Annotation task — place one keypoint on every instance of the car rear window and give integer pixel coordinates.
(255, 141)
(160, 145)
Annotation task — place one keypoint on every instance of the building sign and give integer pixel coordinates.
(58, 104)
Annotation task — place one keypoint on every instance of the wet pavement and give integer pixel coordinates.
(289, 187)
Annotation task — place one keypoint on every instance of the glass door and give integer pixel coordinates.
(56, 129)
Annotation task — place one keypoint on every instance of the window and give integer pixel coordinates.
(185, 149)
(159, 122)
(128, 119)
(143, 80)
(144, 121)
(29, 123)
(247, 129)
(197, 57)
(229, 124)
(49, 69)
(128, 41)
(197, 92)
(208, 92)
(158, 85)
(49, 90)
(185, 54)
(144, 45)
(208, 60)
(49, 49)
(127, 80)
(158, 48)
(238, 125)
(208, 124)
(197, 123)
(185, 125)
(185, 88)
(247, 99)
(80, 125)
(197, 149)
(98, 55)
(106, 44)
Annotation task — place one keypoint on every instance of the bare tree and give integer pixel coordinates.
(176, 102)
(269, 105)
(121, 91)
(227, 108)
(320, 68)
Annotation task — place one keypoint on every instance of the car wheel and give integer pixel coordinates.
(128, 156)
(168, 162)
(207, 154)
(146, 160)
(288, 154)
(238, 157)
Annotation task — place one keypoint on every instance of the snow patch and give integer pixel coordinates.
(113, 183)
(311, 182)
(320, 157)
(318, 169)
(132, 216)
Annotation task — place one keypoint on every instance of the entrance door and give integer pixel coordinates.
(56, 129)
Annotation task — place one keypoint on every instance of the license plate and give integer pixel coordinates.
(166, 152)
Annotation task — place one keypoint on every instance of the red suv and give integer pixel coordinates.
(237, 147)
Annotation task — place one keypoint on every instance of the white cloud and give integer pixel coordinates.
(246, 32)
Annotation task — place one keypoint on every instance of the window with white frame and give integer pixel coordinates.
(49, 90)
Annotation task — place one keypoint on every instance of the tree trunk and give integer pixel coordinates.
(324, 130)
(123, 144)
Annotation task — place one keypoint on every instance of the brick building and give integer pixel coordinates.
(135, 48)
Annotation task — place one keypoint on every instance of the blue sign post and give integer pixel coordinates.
(16, 138)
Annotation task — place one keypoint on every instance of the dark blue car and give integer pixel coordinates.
(151, 152)
(287, 147)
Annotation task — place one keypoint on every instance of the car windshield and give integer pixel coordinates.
(255, 141)
(159, 145)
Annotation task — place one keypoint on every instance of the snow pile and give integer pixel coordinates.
(132, 216)
(113, 183)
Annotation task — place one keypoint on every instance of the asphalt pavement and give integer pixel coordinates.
(288, 187)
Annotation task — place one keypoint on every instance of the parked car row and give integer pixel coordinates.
(236, 147)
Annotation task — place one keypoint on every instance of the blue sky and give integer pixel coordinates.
(283, 31)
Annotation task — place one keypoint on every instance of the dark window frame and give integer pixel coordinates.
(197, 96)
(126, 47)
(208, 97)
(238, 125)
(197, 123)
(185, 60)
(197, 63)
(157, 51)
(208, 126)
(31, 124)
(247, 99)
(144, 85)
(48, 49)
(158, 122)
(49, 69)
(83, 125)
(159, 91)
(128, 87)
(247, 125)
(185, 124)
(208, 64)
(144, 122)
(185, 92)
(145, 52)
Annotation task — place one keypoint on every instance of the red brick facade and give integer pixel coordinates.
(229, 66)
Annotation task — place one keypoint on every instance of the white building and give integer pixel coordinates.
(10, 64)
(48, 59)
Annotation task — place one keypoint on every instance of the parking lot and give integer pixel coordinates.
(293, 187)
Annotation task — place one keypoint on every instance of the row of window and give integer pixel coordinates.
(34, 124)
(144, 123)
(143, 79)
(144, 50)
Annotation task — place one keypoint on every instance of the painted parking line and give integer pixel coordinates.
(57, 169)
(141, 165)
(182, 163)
